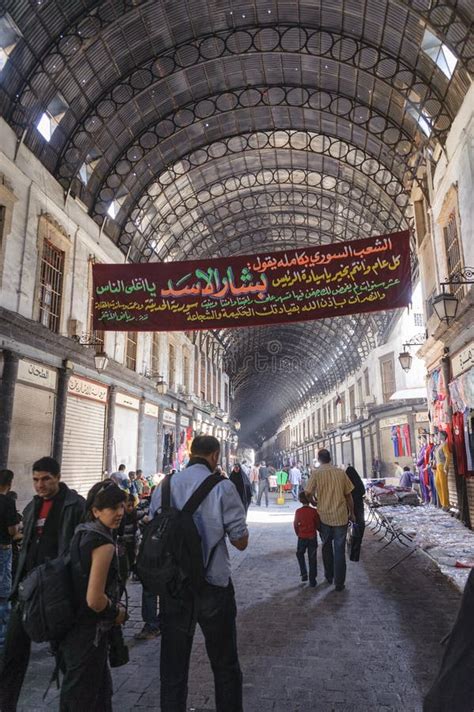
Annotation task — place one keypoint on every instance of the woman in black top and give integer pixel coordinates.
(358, 494)
(242, 483)
(87, 684)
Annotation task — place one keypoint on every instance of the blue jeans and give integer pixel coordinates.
(310, 546)
(295, 490)
(5, 572)
(334, 552)
(149, 614)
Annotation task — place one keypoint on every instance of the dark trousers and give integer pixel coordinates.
(334, 552)
(310, 546)
(453, 688)
(16, 656)
(263, 488)
(359, 532)
(87, 683)
(149, 610)
(215, 611)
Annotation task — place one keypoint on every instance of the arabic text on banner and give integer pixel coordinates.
(371, 274)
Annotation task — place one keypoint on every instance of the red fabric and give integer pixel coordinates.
(306, 522)
(459, 444)
(45, 509)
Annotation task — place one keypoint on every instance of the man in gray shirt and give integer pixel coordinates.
(220, 515)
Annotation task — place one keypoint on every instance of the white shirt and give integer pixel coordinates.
(295, 476)
(221, 514)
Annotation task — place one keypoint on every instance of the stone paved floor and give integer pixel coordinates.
(372, 648)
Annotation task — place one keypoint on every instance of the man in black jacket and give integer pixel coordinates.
(49, 521)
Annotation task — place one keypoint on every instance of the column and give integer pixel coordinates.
(159, 436)
(7, 395)
(141, 433)
(177, 434)
(64, 374)
(110, 425)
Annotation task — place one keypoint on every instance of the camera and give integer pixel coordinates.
(118, 651)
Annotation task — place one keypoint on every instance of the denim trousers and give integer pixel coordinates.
(295, 490)
(263, 488)
(5, 572)
(215, 611)
(334, 552)
(310, 546)
(149, 610)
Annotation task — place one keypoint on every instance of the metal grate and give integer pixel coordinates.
(453, 252)
(51, 286)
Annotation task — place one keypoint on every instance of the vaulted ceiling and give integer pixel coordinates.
(214, 128)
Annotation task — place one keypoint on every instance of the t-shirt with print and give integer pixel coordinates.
(44, 510)
(8, 518)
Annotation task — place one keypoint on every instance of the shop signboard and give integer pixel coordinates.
(366, 275)
(127, 401)
(151, 409)
(169, 416)
(463, 360)
(36, 374)
(84, 388)
(395, 420)
(421, 417)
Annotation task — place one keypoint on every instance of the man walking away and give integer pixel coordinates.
(120, 478)
(263, 485)
(221, 514)
(254, 480)
(295, 481)
(332, 488)
(49, 521)
(8, 529)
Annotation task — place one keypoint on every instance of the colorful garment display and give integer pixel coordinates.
(443, 459)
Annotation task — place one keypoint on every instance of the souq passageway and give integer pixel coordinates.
(245, 225)
(374, 647)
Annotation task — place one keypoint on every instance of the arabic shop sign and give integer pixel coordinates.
(365, 275)
(31, 372)
(463, 361)
(87, 389)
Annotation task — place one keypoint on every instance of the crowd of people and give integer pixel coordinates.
(97, 539)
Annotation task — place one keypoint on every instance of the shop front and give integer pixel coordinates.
(185, 440)
(150, 439)
(169, 439)
(461, 390)
(395, 442)
(84, 433)
(32, 423)
(446, 489)
(125, 441)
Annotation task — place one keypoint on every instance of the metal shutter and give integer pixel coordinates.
(453, 493)
(31, 436)
(83, 451)
(125, 438)
(470, 499)
(150, 445)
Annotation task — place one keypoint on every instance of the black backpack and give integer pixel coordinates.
(47, 604)
(47, 597)
(170, 556)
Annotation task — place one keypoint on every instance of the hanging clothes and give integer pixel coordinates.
(459, 443)
(405, 430)
(443, 459)
(395, 440)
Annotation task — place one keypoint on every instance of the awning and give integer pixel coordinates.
(409, 394)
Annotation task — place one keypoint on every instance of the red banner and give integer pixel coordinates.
(372, 274)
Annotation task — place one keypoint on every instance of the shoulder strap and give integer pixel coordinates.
(166, 492)
(201, 493)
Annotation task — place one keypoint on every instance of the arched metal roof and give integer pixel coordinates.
(218, 129)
